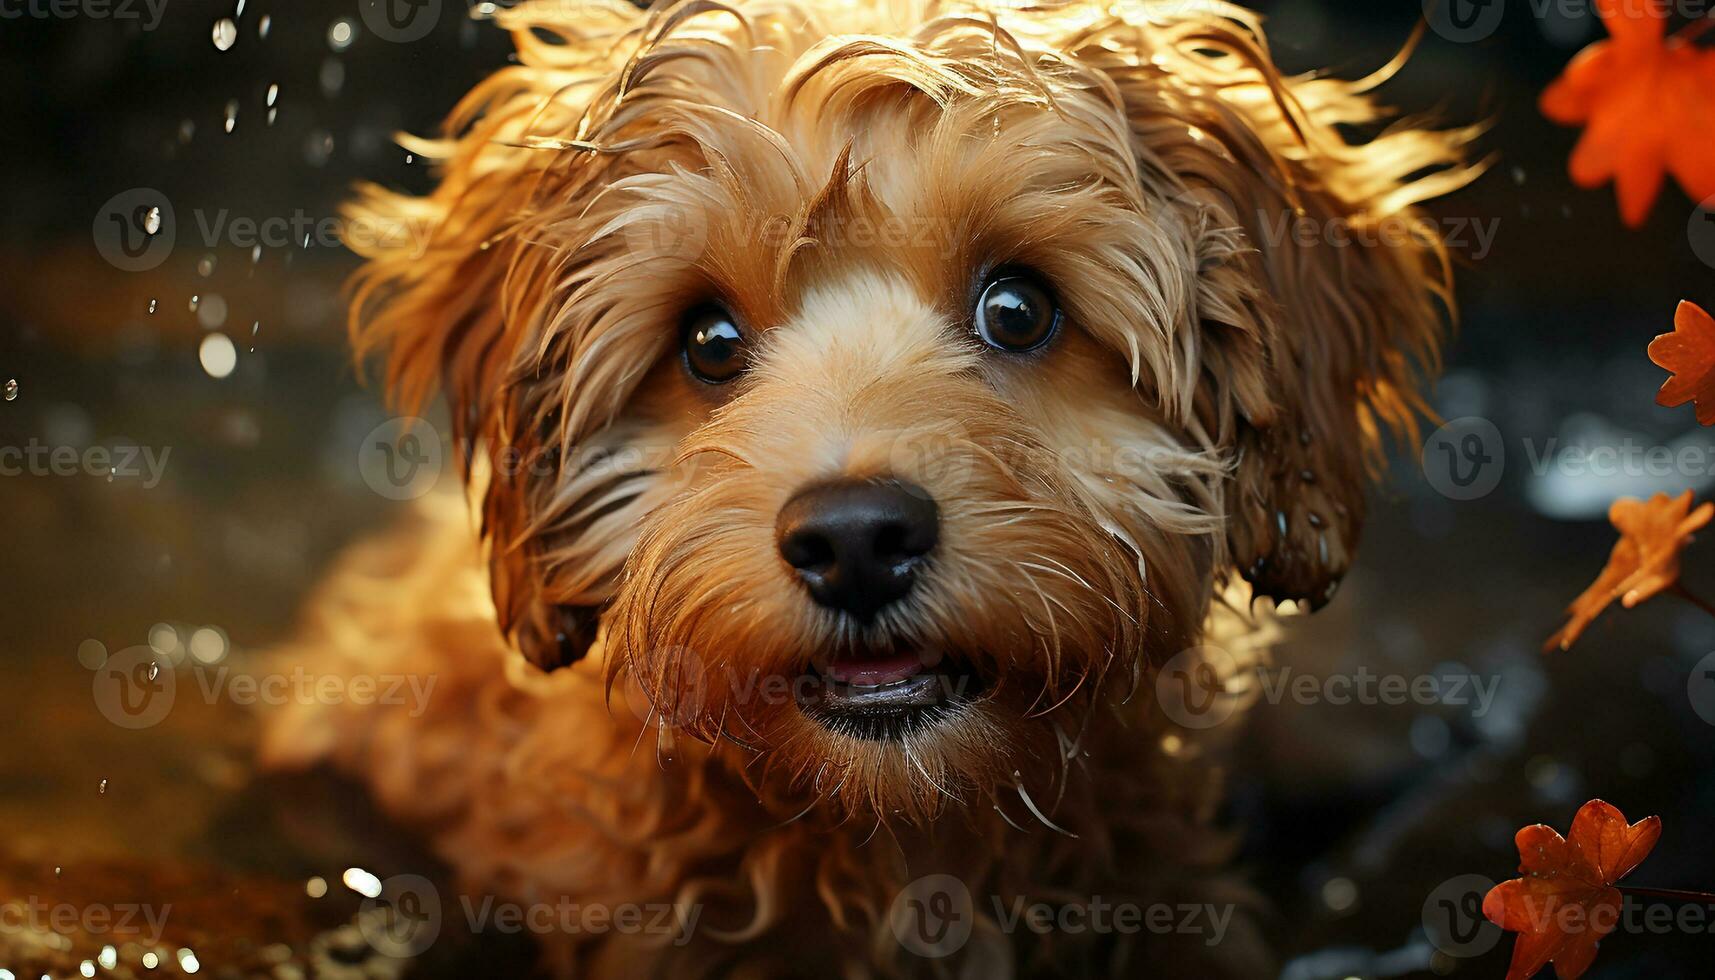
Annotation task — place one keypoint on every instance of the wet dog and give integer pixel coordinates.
(858, 403)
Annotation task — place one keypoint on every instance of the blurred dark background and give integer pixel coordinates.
(1352, 816)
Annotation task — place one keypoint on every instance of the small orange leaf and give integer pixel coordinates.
(1566, 902)
(1644, 562)
(1688, 355)
(1643, 100)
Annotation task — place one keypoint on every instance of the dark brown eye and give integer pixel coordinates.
(714, 345)
(1016, 313)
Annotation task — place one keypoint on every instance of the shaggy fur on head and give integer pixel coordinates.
(842, 176)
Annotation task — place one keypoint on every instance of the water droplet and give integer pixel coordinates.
(410, 158)
(218, 355)
(87, 969)
(188, 961)
(91, 653)
(109, 957)
(332, 77)
(231, 114)
(205, 266)
(195, 302)
(255, 254)
(318, 147)
(150, 960)
(212, 312)
(273, 93)
(273, 114)
(154, 669)
(341, 33)
(152, 304)
(362, 882)
(152, 221)
(263, 25)
(240, 11)
(11, 389)
(225, 33)
(103, 790)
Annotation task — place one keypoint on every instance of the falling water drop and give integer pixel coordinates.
(205, 266)
(152, 304)
(103, 790)
(11, 389)
(195, 302)
(231, 114)
(218, 355)
(263, 25)
(151, 221)
(341, 33)
(225, 33)
(273, 93)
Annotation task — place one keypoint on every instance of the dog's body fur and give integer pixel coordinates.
(839, 176)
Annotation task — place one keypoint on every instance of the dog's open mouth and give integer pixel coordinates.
(885, 696)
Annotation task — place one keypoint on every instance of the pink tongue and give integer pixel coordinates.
(874, 672)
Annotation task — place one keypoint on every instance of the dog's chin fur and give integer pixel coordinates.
(842, 177)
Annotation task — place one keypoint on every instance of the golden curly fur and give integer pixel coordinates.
(840, 174)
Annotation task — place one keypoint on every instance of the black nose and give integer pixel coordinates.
(858, 546)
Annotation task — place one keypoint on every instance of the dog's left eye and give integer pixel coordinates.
(714, 345)
(1016, 313)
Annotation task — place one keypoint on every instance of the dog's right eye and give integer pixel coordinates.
(714, 345)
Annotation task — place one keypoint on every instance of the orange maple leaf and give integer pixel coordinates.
(1688, 354)
(1566, 902)
(1644, 562)
(1644, 100)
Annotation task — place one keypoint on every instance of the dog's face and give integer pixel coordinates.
(885, 391)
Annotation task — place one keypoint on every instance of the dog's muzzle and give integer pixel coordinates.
(858, 547)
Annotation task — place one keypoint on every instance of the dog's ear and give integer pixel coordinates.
(457, 285)
(1322, 292)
